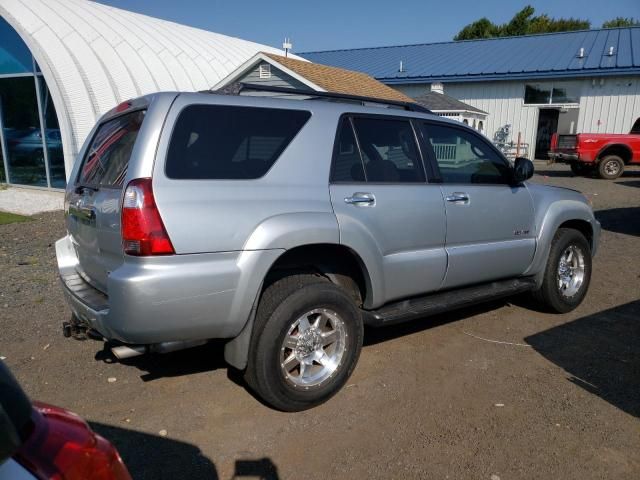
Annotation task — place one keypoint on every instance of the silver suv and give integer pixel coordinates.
(285, 226)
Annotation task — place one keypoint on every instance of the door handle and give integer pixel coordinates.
(361, 199)
(458, 197)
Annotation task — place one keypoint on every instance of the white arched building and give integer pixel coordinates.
(91, 57)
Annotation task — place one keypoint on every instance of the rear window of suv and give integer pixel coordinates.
(218, 142)
(107, 158)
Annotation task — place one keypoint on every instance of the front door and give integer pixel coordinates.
(547, 126)
(385, 209)
(490, 223)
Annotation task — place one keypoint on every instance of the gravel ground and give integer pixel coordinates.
(559, 397)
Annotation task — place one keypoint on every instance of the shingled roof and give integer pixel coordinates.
(439, 102)
(339, 80)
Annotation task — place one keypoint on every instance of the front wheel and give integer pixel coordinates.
(568, 272)
(307, 339)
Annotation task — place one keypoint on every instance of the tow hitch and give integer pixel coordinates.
(79, 331)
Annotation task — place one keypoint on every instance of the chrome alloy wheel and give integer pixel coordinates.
(612, 168)
(313, 348)
(571, 271)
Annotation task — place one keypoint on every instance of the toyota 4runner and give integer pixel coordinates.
(285, 226)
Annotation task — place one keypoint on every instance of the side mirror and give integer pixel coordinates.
(522, 170)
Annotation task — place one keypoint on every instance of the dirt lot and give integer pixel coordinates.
(498, 390)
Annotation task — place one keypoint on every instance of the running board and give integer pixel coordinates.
(435, 303)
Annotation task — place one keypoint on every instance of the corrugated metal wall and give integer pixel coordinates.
(610, 107)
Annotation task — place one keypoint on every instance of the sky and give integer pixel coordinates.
(337, 24)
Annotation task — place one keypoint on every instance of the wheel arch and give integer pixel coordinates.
(619, 149)
(562, 214)
(338, 263)
(583, 227)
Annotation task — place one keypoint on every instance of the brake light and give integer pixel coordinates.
(143, 232)
(61, 446)
(123, 106)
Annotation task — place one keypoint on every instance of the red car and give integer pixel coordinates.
(39, 441)
(607, 153)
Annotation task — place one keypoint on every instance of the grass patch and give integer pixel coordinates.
(6, 218)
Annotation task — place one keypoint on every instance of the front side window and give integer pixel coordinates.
(463, 157)
(389, 150)
(107, 158)
(223, 142)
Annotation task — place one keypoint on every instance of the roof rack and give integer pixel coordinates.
(409, 106)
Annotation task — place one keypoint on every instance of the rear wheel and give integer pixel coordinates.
(307, 339)
(610, 167)
(578, 168)
(568, 272)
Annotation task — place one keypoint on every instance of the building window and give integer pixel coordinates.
(30, 140)
(22, 132)
(556, 93)
(265, 70)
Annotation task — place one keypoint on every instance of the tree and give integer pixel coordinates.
(482, 28)
(621, 22)
(523, 23)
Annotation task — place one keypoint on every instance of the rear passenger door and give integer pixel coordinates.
(490, 221)
(385, 209)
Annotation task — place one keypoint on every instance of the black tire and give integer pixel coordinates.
(281, 304)
(550, 293)
(610, 167)
(577, 168)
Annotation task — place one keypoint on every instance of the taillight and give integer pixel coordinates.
(123, 106)
(61, 446)
(143, 232)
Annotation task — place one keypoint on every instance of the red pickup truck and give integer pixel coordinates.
(607, 153)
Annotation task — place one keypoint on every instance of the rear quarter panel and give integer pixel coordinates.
(229, 215)
(591, 145)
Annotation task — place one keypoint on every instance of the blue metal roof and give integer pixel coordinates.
(532, 56)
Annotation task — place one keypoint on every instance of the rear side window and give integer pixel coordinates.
(107, 158)
(218, 142)
(389, 150)
(347, 164)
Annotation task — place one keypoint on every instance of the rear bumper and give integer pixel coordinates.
(166, 298)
